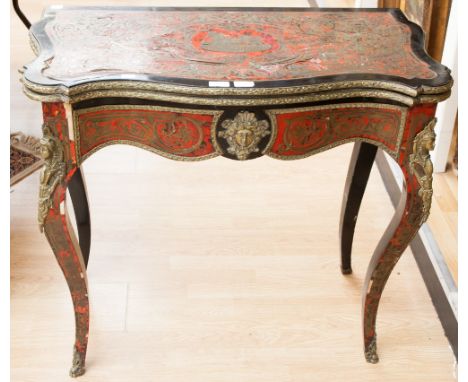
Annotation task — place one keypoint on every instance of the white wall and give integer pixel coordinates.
(447, 110)
(366, 3)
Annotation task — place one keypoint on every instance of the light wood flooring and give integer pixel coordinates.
(219, 271)
(214, 271)
(443, 219)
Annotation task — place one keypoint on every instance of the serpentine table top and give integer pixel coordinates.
(229, 51)
(195, 83)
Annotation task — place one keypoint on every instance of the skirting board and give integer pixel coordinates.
(437, 277)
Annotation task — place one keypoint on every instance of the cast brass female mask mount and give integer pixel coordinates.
(243, 134)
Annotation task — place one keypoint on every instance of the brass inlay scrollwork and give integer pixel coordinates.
(243, 133)
(274, 113)
(52, 173)
(421, 165)
(179, 156)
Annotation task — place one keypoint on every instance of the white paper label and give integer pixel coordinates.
(218, 84)
(244, 84)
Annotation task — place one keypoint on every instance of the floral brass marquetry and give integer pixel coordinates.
(243, 134)
(421, 165)
(52, 173)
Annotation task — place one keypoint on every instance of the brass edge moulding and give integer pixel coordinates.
(433, 98)
(148, 90)
(227, 101)
(436, 90)
(272, 113)
(147, 148)
(330, 146)
(76, 131)
(420, 165)
(184, 89)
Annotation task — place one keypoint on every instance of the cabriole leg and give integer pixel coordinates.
(359, 170)
(61, 237)
(411, 213)
(59, 169)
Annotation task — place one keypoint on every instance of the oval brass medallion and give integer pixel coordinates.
(244, 136)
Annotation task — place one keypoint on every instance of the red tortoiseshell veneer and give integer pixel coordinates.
(303, 131)
(171, 132)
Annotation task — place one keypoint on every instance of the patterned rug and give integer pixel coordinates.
(24, 156)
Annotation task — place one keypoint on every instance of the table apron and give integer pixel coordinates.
(190, 134)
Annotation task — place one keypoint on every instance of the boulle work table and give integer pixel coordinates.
(195, 83)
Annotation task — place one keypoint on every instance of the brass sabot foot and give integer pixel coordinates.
(371, 352)
(77, 368)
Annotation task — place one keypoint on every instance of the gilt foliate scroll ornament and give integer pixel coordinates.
(52, 173)
(421, 165)
(243, 134)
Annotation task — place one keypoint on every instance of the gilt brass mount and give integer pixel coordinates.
(243, 134)
(52, 173)
(421, 165)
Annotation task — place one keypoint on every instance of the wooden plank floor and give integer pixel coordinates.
(219, 271)
(443, 219)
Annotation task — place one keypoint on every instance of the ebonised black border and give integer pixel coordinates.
(431, 280)
(93, 102)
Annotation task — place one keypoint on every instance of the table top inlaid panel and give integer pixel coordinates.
(261, 48)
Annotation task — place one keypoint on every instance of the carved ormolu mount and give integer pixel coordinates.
(53, 172)
(243, 134)
(421, 165)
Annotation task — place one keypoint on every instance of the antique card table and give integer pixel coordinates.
(195, 83)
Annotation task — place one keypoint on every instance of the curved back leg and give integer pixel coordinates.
(78, 195)
(359, 170)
